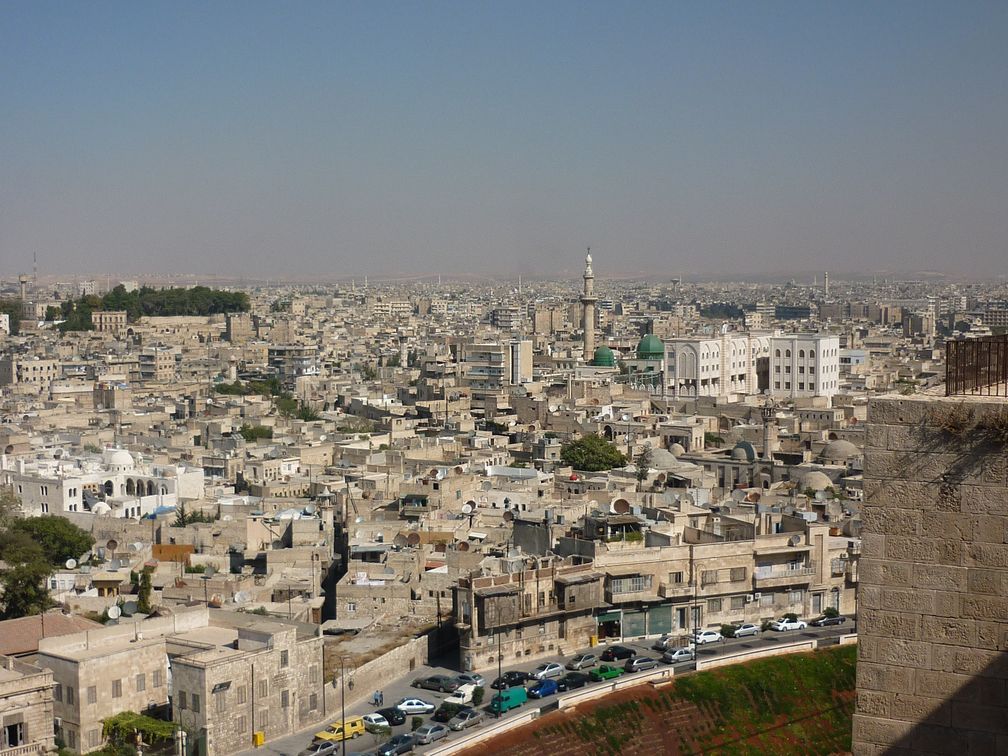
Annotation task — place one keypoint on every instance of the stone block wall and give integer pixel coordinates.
(932, 671)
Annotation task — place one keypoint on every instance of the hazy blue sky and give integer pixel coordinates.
(339, 138)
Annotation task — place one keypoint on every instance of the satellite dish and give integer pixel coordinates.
(210, 571)
(310, 509)
(112, 544)
(130, 607)
(114, 612)
(241, 597)
(467, 509)
(71, 563)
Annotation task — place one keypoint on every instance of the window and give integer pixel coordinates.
(713, 605)
(156, 679)
(630, 584)
(141, 682)
(351, 606)
(284, 658)
(738, 574)
(240, 694)
(70, 695)
(242, 723)
(263, 688)
(195, 702)
(263, 719)
(182, 700)
(71, 738)
(708, 576)
(117, 689)
(284, 698)
(675, 577)
(58, 693)
(796, 597)
(220, 701)
(737, 603)
(94, 738)
(92, 694)
(313, 674)
(766, 599)
(313, 701)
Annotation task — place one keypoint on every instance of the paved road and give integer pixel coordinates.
(292, 744)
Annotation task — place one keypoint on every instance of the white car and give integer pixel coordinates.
(785, 623)
(375, 723)
(462, 696)
(707, 636)
(550, 669)
(747, 629)
(415, 706)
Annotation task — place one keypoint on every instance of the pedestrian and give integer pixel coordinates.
(374, 698)
(381, 697)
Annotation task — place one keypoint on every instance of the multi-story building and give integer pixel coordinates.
(157, 363)
(804, 365)
(25, 371)
(291, 361)
(226, 676)
(239, 327)
(109, 321)
(26, 708)
(491, 369)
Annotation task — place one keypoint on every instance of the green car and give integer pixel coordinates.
(605, 672)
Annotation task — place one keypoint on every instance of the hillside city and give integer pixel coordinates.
(299, 517)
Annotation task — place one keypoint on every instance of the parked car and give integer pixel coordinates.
(549, 669)
(467, 717)
(440, 683)
(707, 636)
(746, 629)
(394, 715)
(509, 698)
(543, 688)
(639, 664)
(572, 680)
(664, 643)
(676, 655)
(825, 621)
(415, 706)
(397, 744)
(376, 722)
(337, 731)
(787, 623)
(462, 696)
(471, 678)
(320, 748)
(510, 680)
(605, 672)
(616, 653)
(427, 734)
(582, 661)
(445, 712)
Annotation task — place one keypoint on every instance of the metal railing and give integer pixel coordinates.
(977, 366)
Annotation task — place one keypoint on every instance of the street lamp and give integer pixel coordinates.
(343, 662)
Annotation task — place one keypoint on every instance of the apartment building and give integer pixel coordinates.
(109, 321)
(26, 708)
(492, 368)
(804, 365)
(28, 371)
(157, 363)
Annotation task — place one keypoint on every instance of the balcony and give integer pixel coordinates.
(675, 590)
(629, 589)
(773, 576)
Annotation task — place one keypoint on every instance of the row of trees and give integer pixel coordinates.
(31, 548)
(197, 300)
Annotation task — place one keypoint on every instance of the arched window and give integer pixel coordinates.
(801, 353)
(777, 353)
(787, 353)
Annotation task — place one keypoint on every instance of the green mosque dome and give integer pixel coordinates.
(603, 357)
(650, 348)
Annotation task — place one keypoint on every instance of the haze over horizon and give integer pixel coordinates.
(335, 140)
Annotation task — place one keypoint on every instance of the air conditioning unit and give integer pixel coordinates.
(749, 598)
(757, 596)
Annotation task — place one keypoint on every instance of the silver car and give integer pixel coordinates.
(429, 733)
(746, 629)
(466, 718)
(676, 655)
(582, 661)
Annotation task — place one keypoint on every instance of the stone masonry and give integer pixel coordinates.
(932, 672)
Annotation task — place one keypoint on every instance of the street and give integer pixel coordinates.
(292, 744)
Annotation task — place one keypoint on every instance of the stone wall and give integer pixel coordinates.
(363, 680)
(26, 699)
(933, 595)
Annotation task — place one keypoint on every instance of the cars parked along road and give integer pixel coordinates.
(605, 672)
(787, 623)
(582, 661)
(617, 653)
(746, 629)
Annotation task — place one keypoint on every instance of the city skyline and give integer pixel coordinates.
(495, 141)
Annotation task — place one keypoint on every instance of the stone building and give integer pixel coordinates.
(26, 708)
(933, 602)
(109, 321)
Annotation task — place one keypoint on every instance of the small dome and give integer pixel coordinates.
(650, 348)
(677, 450)
(815, 480)
(603, 357)
(744, 452)
(839, 451)
(662, 459)
(119, 459)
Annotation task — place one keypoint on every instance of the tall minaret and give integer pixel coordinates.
(588, 309)
(826, 283)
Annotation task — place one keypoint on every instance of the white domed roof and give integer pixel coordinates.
(119, 458)
(839, 450)
(815, 480)
(663, 460)
(677, 449)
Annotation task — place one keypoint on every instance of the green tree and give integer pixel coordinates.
(58, 538)
(144, 594)
(307, 413)
(368, 372)
(592, 453)
(24, 590)
(643, 467)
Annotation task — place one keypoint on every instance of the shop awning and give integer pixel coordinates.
(610, 617)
